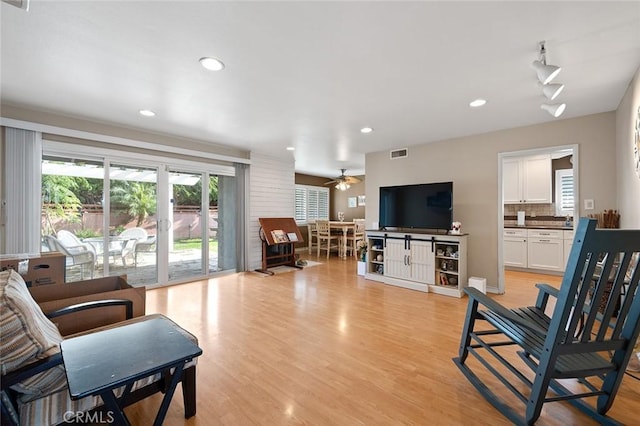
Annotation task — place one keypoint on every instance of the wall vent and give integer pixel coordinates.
(398, 153)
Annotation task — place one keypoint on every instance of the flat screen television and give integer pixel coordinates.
(424, 206)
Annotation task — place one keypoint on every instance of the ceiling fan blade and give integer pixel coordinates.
(331, 182)
(351, 180)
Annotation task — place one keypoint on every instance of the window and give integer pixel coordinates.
(312, 202)
(564, 192)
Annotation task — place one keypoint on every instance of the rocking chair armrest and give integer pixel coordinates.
(30, 370)
(544, 291)
(128, 304)
(496, 307)
(546, 288)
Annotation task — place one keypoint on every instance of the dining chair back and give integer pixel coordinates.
(356, 234)
(325, 239)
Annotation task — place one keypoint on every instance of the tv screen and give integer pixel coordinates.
(428, 206)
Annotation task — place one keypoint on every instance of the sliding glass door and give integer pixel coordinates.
(154, 223)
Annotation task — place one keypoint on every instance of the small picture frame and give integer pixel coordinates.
(352, 202)
(361, 200)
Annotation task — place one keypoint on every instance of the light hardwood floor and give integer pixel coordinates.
(325, 347)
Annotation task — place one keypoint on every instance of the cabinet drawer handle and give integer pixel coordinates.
(545, 241)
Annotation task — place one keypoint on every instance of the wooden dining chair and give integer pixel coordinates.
(325, 238)
(356, 234)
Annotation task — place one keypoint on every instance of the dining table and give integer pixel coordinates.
(344, 227)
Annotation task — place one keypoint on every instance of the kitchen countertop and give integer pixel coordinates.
(558, 227)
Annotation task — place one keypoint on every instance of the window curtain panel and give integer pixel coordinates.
(242, 185)
(23, 180)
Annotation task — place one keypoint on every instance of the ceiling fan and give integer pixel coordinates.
(343, 182)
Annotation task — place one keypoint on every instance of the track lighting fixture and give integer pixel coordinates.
(556, 110)
(546, 73)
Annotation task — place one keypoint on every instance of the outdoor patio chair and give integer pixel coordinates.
(146, 246)
(73, 243)
(131, 238)
(581, 339)
(76, 255)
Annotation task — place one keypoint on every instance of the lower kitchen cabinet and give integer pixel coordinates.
(515, 248)
(545, 249)
(539, 249)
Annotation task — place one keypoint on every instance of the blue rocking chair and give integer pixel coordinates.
(588, 335)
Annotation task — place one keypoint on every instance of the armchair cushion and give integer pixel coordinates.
(27, 336)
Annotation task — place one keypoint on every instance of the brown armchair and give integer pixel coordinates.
(34, 385)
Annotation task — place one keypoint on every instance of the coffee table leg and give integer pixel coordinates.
(110, 401)
(162, 411)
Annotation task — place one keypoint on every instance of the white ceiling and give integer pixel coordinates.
(311, 74)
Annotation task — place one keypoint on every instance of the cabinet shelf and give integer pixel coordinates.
(377, 262)
(446, 271)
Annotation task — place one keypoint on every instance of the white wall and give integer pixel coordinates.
(271, 194)
(627, 181)
(472, 164)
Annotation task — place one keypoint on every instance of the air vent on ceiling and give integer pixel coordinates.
(22, 4)
(399, 153)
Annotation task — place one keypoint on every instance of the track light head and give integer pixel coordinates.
(551, 91)
(545, 72)
(556, 109)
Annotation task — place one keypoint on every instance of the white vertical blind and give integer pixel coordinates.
(23, 158)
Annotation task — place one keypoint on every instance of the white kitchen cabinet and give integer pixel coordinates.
(545, 249)
(527, 180)
(514, 247)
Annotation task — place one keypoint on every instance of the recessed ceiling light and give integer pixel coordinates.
(477, 103)
(366, 130)
(147, 112)
(212, 64)
(291, 148)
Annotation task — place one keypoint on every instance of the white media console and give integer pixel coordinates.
(428, 262)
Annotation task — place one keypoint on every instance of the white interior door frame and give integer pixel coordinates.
(576, 198)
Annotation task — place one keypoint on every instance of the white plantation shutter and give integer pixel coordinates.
(312, 203)
(564, 192)
(301, 204)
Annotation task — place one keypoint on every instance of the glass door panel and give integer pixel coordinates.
(130, 245)
(188, 227)
(72, 214)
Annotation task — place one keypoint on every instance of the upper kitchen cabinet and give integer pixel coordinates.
(527, 180)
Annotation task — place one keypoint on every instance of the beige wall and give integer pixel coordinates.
(627, 181)
(340, 202)
(472, 164)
